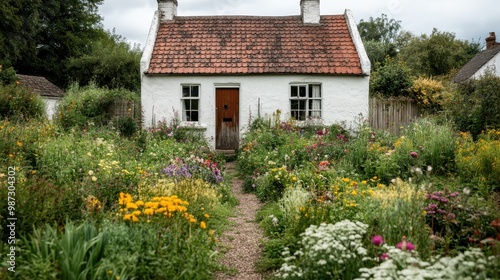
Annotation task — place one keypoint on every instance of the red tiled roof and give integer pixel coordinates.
(254, 45)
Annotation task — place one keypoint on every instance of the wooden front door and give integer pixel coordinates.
(227, 107)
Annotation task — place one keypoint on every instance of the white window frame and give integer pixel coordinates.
(308, 99)
(190, 97)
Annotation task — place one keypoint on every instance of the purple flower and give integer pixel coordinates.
(450, 216)
(413, 154)
(455, 194)
(377, 240)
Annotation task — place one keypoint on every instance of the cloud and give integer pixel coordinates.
(469, 20)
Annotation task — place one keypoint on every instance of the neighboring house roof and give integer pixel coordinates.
(254, 45)
(476, 63)
(41, 86)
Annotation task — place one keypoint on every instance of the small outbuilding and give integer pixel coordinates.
(50, 93)
(487, 60)
(219, 72)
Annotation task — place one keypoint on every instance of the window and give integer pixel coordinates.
(190, 103)
(305, 101)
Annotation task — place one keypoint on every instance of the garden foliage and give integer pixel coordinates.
(404, 188)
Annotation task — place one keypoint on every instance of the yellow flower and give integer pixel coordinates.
(127, 217)
(11, 155)
(203, 225)
(135, 219)
(139, 203)
(207, 216)
(211, 232)
(192, 220)
(148, 211)
(294, 178)
(131, 205)
(19, 143)
(137, 213)
(161, 210)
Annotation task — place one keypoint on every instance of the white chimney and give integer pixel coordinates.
(309, 10)
(167, 9)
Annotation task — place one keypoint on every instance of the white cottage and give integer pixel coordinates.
(217, 71)
(487, 60)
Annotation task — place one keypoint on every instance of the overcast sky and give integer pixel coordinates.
(469, 20)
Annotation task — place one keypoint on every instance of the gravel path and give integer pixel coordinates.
(242, 240)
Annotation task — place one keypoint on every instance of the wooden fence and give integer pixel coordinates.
(392, 113)
(126, 108)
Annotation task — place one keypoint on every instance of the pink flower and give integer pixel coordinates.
(405, 245)
(413, 154)
(377, 240)
(384, 256)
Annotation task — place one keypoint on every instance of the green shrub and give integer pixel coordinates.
(20, 103)
(479, 161)
(89, 105)
(7, 75)
(392, 79)
(475, 105)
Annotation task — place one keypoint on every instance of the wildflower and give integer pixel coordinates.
(207, 216)
(413, 154)
(94, 178)
(148, 211)
(139, 203)
(203, 225)
(192, 220)
(466, 191)
(127, 217)
(405, 245)
(91, 172)
(135, 219)
(137, 213)
(19, 143)
(377, 240)
(384, 256)
(429, 168)
(131, 205)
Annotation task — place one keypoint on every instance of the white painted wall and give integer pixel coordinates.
(51, 106)
(343, 97)
(493, 64)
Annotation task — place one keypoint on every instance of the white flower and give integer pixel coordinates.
(429, 168)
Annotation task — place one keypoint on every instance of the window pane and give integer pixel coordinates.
(187, 104)
(294, 104)
(194, 104)
(185, 91)
(194, 116)
(302, 116)
(314, 91)
(195, 91)
(294, 91)
(302, 104)
(302, 91)
(315, 105)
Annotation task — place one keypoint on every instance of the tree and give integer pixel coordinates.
(18, 24)
(438, 53)
(37, 38)
(379, 37)
(391, 79)
(111, 62)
